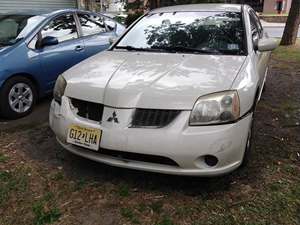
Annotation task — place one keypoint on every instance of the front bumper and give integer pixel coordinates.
(178, 141)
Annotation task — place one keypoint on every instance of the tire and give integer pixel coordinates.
(18, 97)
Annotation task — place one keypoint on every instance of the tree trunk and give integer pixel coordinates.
(292, 24)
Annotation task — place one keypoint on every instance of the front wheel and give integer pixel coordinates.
(17, 97)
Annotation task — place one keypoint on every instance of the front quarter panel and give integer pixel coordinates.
(247, 84)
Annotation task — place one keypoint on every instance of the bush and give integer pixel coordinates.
(132, 17)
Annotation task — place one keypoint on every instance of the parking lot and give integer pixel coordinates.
(41, 183)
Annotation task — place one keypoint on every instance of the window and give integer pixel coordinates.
(63, 28)
(110, 25)
(200, 32)
(255, 20)
(91, 24)
(14, 28)
(254, 29)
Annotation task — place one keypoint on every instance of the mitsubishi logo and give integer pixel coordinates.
(113, 118)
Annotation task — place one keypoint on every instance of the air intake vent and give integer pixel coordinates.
(88, 110)
(153, 118)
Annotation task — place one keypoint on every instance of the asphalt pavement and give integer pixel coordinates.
(39, 115)
(275, 30)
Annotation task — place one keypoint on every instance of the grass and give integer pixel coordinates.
(45, 211)
(166, 220)
(129, 214)
(43, 216)
(3, 158)
(124, 190)
(58, 176)
(79, 185)
(156, 206)
(12, 183)
(289, 54)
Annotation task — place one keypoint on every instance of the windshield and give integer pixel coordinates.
(196, 32)
(15, 27)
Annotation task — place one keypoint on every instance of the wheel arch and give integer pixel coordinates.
(28, 76)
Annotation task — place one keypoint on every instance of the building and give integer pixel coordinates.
(265, 6)
(271, 6)
(12, 5)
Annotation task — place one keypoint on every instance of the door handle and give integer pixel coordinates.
(79, 48)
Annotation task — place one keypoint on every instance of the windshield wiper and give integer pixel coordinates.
(186, 49)
(131, 48)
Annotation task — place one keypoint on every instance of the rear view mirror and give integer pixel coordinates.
(48, 41)
(267, 44)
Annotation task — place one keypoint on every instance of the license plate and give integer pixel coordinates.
(84, 137)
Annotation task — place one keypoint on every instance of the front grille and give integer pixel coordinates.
(155, 118)
(88, 110)
(139, 157)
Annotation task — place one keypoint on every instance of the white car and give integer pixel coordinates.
(175, 94)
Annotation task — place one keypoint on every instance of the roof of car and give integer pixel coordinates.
(200, 7)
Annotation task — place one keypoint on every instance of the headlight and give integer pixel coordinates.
(59, 88)
(217, 108)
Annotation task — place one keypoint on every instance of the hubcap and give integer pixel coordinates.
(20, 98)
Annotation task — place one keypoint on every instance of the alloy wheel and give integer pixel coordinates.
(20, 98)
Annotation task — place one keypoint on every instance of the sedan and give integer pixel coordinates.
(37, 47)
(176, 94)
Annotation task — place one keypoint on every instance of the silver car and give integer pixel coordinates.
(175, 94)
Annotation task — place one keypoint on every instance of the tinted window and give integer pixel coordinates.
(63, 28)
(210, 32)
(91, 24)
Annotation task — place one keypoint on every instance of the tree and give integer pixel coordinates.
(292, 24)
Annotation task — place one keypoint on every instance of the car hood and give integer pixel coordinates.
(151, 80)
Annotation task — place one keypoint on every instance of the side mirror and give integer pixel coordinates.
(49, 41)
(267, 44)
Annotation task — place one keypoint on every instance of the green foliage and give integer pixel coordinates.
(134, 5)
(124, 191)
(132, 17)
(43, 216)
(3, 158)
(44, 211)
(12, 182)
(129, 214)
(165, 221)
(288, 53)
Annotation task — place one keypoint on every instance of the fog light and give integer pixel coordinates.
(211, 160)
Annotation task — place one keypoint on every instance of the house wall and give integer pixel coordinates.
(269, 6)
(15, 5)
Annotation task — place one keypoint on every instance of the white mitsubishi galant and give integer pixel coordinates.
(175, 94)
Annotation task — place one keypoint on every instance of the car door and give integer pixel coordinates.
(260, 58)
(69, 50)
(96, 35)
